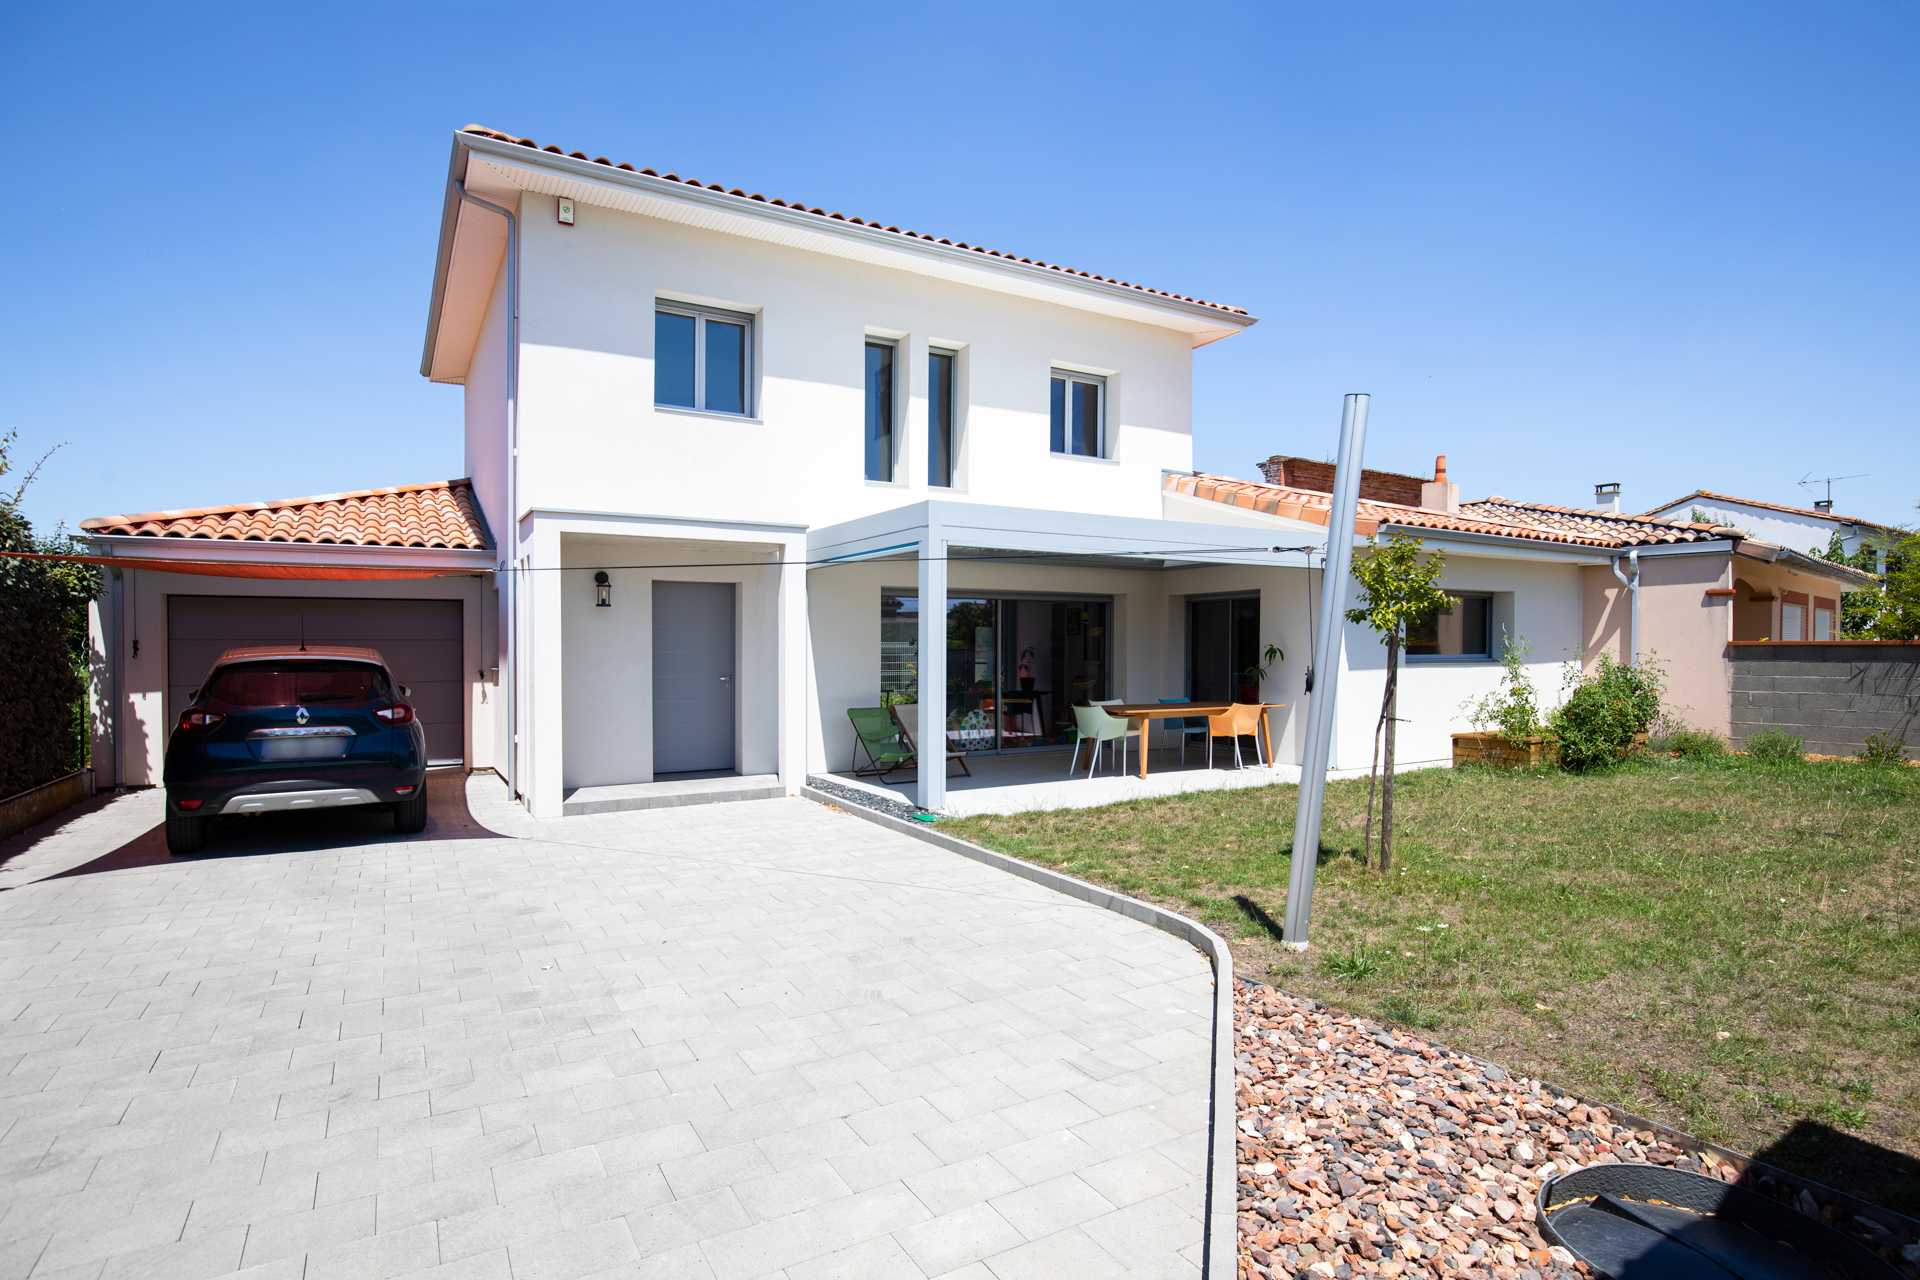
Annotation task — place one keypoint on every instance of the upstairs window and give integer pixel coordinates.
(1079, 414)
(879, 424)
(702, 358)
(940, 419)
(1461, 632)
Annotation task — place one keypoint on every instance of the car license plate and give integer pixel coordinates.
(331, 747)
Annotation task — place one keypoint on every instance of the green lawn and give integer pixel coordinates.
(1727, 946)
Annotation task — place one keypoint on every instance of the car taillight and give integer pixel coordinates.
(189, 804)
(200, 721)
(398, 713)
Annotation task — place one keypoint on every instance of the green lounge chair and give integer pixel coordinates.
(877, 735)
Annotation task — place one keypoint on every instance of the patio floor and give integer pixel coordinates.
(1017, 783)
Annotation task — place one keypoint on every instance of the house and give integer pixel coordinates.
(1807, 530)
(734, 465)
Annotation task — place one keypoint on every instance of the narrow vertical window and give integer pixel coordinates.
(1079, 414)
(879, 431)
(702, 359)
(940, 419)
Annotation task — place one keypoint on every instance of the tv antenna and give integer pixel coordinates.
(1826, 503)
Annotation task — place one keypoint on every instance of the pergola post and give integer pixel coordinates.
(930, 672)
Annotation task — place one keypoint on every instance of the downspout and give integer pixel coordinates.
(513, 485)
(1633, 617)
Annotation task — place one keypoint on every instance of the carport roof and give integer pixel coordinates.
(442, 514)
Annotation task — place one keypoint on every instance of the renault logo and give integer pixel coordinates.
(299, 715)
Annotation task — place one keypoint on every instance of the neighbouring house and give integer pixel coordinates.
(734, 465)
(1669, 590)
(1807, 530)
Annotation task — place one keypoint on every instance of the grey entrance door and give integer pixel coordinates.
(692, 676)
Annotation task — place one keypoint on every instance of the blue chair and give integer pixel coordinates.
(1192, 729)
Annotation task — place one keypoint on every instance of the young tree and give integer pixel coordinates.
(1397, 587)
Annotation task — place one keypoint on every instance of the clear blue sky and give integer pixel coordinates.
(1672, 245)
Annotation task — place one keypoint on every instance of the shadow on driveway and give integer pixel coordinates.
(270, 833)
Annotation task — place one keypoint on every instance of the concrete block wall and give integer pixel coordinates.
(1831, 694)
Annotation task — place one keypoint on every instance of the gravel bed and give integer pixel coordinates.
(1367, 1152)
(865, 799)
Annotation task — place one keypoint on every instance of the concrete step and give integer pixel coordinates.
(672, 793)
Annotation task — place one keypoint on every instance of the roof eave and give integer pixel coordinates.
(612, 176)
(443, 256)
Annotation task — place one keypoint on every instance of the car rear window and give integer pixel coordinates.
(283, 683)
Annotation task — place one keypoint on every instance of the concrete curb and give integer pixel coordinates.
(1220, 1248)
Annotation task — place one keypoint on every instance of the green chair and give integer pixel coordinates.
(1096, 727)
(877, 735)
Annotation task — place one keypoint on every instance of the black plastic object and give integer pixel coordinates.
(1645, 1222)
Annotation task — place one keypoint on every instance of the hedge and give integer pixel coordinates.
(43, 630)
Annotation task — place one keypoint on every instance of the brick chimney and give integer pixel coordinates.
(1317, 477)
(1440, 494)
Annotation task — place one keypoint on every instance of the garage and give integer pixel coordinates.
(422, 641)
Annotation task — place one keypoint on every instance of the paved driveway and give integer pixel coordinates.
(738, 1040)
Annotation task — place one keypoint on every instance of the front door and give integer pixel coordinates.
(693, 703)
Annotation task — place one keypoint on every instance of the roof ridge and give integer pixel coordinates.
(235, 508)
(1774, 506)
(499, 136)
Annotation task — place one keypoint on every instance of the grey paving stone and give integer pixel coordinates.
(735, 1040)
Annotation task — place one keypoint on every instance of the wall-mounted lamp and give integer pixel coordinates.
(602, 590)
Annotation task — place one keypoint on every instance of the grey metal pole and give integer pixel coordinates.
(1337, 565)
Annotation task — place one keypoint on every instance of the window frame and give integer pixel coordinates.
(1486, 601)
(1070, 376)
(952, 406)
(701, 315)
(894, 345)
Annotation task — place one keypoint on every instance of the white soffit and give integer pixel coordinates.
(479, 246)
(499, 179)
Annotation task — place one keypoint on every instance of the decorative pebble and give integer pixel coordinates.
(1366, 1152)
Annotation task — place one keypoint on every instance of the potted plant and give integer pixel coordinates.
(1509, 730)
(1253, 677)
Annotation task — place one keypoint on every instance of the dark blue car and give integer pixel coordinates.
(276, 730)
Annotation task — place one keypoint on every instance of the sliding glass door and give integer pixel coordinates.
(1014, 668)
(1223, 641)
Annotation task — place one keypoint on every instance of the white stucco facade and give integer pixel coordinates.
(579, 471)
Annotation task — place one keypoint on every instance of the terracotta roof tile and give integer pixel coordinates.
(1605, 528)
(418, 515)
(1493, 516)
(799, 207)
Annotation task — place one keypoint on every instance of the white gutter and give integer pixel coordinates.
(1633, 586)
(511, 566)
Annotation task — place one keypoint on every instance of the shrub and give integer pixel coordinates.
(1884, 748)
(1596, 724)
(1684, 740)
(1514, 709)
(43, 635)
(1775, 746)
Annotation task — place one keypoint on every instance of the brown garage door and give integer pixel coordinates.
(420, 639)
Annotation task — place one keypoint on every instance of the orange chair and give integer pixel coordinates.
(1242, 719)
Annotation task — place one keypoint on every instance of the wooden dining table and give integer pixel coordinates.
(1148, 711)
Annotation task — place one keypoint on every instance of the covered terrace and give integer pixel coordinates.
(1137, 575)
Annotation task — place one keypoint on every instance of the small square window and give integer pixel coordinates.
(1079, 412)
(1462, 631)
(702, 359)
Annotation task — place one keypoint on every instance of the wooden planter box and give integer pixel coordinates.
(1501, 752)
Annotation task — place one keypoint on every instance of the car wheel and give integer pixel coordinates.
(186, 835)
(410, 816)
